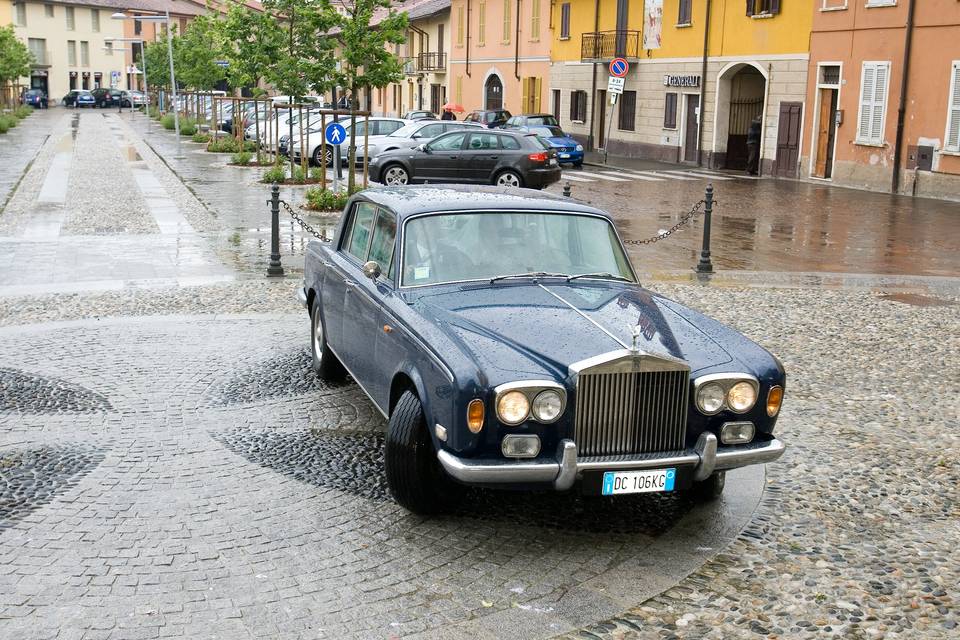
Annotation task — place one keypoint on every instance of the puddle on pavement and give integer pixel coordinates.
(917, 300)
(65, 144)
(132, 154)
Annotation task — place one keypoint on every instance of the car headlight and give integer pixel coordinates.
(710, 397)
(741, 397)
(513, 407)
(579, 147)
(548, 405)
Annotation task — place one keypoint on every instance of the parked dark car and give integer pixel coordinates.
(531, 120)
(468, 156)
(569, 151)
(36, 98)
(420, 114)
(493, 119)
(106, 97)
(504, 335)
(79, 98)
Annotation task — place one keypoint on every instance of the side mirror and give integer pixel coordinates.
(423, 148)
(372, 269)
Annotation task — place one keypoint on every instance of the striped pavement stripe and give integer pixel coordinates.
(567, 175)
(638, 176)
(676, 175)
(602, 177)
(712, 176)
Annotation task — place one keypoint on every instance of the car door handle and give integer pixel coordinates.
(350, 283)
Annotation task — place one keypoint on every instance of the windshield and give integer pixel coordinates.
(541, 120)
(547, 132)
(483, 245)
(407, 130)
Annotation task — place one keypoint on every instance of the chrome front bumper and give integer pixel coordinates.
(706, 457)
(302, 296)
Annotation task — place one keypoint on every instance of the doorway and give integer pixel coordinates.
(788, 139)
(600, 135)
(690, 128)
(493, 93)
(826, 133)
(741, 97)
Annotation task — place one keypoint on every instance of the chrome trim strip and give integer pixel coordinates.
(529, 388)
(382, 412)
(563, 470)
(726, 380)
(586, 317)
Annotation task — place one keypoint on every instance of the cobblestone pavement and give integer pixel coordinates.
(209, 486)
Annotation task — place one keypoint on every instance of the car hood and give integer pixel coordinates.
(563, 141)
(541, 329)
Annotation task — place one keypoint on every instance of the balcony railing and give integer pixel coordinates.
(435, 61)
(41, 57)
(603, 46)
(409, 66)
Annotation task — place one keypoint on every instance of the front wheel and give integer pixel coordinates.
(711, 488)
(395, 174)
(414, 476)
(324, 363)
(509, 179)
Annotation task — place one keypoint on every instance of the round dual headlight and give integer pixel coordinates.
(710, 398)
(741, 397)
(547, 405)
(579, 147)
(513, 407)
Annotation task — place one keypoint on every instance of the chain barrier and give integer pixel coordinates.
(303, 223)
(686, 218)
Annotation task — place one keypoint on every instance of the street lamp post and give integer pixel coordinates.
(173, 79)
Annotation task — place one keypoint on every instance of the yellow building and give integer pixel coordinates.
(6, 12)
(751, 63)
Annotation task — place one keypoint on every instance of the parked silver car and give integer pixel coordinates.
(411, 135)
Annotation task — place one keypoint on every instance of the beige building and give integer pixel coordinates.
(425, 57)
(71, 45)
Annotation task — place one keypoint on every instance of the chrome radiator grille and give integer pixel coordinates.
(631, 412)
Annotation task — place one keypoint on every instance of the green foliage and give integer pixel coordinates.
(158, 64)
(366, 60)
(7, 122)
(320, 199)
(242, 158)
(22, 111)
(305, 59)
(168, 122)
(15, 57)
(188, 127)
(229, 144)
(201, 137)
(196, 53)
(252, 41)
(299, 176)
(275, 174)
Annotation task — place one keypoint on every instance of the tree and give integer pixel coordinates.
(252, 41)
(158, 67)
(197, 53)
(366, 61)
(15, 58)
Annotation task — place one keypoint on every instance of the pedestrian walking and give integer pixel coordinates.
(753, 147)
(448, 115)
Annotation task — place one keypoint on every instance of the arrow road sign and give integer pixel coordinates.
(619, 67)
(335, 133)
(615, 85)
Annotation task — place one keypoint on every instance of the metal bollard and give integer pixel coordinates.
(274, 269)
(566, 188)
(704, 265)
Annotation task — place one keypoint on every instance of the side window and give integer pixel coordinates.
(360, 128)
(508, 142)
(360, 229)
(483, 141)
(430, 131)
(386, 127)
(451, 142)
(381, 248)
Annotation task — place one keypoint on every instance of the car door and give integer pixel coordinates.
(480, 156)
(442, 160)
(342, 275)
(363, 314)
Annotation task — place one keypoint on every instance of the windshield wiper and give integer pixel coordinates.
(531, 274)
(604, 275)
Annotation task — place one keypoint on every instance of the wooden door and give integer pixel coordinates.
(826, 128)
(788, 139)
(690, 129)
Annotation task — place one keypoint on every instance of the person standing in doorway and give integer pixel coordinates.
(753, 147)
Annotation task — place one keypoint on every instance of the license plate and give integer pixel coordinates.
(620, 482)
(553, 161)
(564, 155)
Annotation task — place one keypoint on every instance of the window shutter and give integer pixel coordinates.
(774, 6)
(750, 7)
(880, 92)
(583, 106)
(537, 85)
(685, 11)
(506, 21)
(565, 20)
(867, 82)
(953, 113)
(525, 98)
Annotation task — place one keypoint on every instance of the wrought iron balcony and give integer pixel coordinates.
(603, 46)
(435, 61)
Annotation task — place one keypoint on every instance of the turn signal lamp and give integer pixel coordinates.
(475, 411)
(774, 400)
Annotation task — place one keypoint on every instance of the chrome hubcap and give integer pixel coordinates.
(508, 180)
(396, 175)
(317, 336)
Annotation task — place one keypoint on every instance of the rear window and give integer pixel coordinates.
(542, 120)
(509, 142)
(538, 142)
(547, 132)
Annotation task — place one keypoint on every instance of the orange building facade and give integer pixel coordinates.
(500, 55)
(862, 129)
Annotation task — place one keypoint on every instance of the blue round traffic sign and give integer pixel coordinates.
(335, 133)
(619, 67)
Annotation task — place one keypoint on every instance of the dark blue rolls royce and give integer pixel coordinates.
(504, 335)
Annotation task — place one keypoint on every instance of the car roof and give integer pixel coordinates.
(410, 200)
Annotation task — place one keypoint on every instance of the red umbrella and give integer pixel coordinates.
(453, 106)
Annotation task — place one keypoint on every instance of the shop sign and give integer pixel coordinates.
(681, 81)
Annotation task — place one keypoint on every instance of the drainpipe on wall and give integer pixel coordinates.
(468, 39)
(703, 84)
(516, 46)
(593, 83)
(902, 106)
